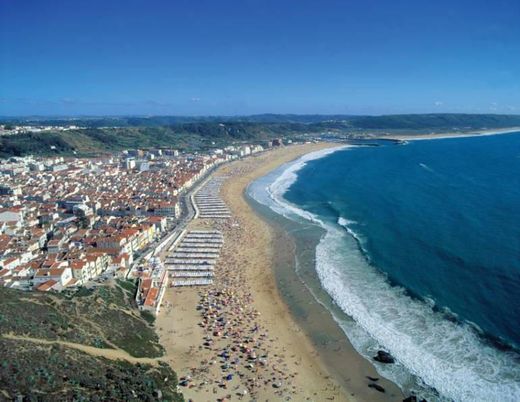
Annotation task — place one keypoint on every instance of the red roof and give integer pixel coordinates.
(151, 297)
(46, 286)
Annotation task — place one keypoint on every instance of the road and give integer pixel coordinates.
(186, 216)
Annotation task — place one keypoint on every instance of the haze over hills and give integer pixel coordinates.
(397, 121)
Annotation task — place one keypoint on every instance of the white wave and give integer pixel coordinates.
(426, 167)
(281, 184)
(444, 355)
(346, 222)
(347, 225)
(289, 176)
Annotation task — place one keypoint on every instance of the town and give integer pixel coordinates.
(72, 222)
(11, 129)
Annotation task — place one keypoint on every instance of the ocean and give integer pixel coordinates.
(419, 247)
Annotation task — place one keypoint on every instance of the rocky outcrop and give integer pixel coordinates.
(384, 357)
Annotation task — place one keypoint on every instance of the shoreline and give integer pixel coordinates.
(441, 136)
(316, 313)
(252, 248)
(440, 381)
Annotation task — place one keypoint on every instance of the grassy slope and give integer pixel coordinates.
(103, 318)
(199, 135)
(90, 141)
(57, 373)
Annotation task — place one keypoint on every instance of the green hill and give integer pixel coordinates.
(188, 136)
(91, 345)
(200, 133)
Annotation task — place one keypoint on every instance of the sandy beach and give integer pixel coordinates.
(236, 339)
(432, 136)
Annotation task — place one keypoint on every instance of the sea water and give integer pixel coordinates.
(421, 248)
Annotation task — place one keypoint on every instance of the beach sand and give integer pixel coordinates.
(433, 136)
(236, 339)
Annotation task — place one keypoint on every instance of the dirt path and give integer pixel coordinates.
(112, 354)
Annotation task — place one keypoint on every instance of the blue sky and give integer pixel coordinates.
(225, 57)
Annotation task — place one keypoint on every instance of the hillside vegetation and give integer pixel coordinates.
(109, 134)
(90, 345)
(188, 137)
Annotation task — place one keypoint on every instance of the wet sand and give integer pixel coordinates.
(237, 339)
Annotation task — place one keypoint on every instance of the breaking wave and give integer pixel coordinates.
(447, 359)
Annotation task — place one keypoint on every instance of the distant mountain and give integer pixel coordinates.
(153, 121)
(401, 121)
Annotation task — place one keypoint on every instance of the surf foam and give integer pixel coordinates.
(444, 355)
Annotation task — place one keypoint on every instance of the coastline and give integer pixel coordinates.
(253, 249)
(415, 361)
(440, 136)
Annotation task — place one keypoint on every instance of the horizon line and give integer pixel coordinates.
(248, 115)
